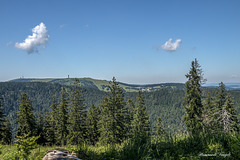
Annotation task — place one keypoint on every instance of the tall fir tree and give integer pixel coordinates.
(40, 126)
(192, 102)
(92, 124)
(159, 128)
(49, 130)
(5, 126)
(112, 125)
(140, 124)
(62, 120)
(52, 120)
(25, 118)
(229, 116)
(130, 111)
(77, 116)
(6, 133)
(221, 94)
(1, 117)
(207, 114)
(219, 101)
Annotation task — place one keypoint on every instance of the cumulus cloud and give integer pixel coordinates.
(169, 45)
(38, 38)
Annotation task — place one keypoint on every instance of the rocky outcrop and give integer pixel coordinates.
(59, 154)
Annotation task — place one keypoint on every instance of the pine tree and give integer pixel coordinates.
(192, 102)
(77, 116)
(25, 118)
(6, 133)
(112, 121)
(92, 124)
(159, 128)
(62, 120)
(140, 124)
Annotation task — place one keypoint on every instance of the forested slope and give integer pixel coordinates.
(166, 102)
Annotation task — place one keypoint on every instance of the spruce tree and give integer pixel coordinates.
(219, 102)
(1, 117)
(52, 120)
(62, 120)
(112, 125)
(77, 116)
(6, 133)
(221, 94)
(207, 114)
(130, 107)
(192, 102)
(49, 130)
(25, 118)
(40, 126)
(229, 117)
(92, 124)
(159, 128)
(140, 124)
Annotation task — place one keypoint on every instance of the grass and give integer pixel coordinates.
(184, 147)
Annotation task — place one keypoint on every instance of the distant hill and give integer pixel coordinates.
(102, 84)
(229, 86)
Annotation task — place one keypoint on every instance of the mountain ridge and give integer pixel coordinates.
(103, 84)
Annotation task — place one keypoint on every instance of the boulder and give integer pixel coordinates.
(59, 154)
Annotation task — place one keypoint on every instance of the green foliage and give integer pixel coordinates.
(25, 144)
(140, 123)
(159, 128)
(1, 118)
(62, 119)
(49, 130)
(130, 111)
(224, 116)
(230, 122)
(219, 101)
(112, 118)
(5, 127)
(207, 114)
(6, 133)
(26, 117)
(40, 128)
(92, 124)
(77, 116)
(192, 102)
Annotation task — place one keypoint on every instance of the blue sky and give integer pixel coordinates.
(128, 39)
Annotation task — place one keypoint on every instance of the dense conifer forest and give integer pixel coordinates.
(170, 123)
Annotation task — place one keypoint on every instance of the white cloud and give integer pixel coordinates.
(171, 46)
(39, 37)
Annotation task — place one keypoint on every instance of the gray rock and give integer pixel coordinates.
(59, 154)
